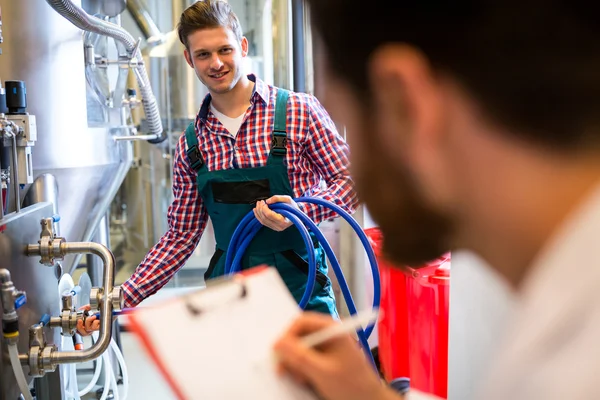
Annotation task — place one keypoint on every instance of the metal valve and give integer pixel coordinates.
(96, 295)
(68, 315)
(116, 297)
(50, 244)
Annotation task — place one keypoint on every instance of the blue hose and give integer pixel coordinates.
(250, 226)
(241, 249)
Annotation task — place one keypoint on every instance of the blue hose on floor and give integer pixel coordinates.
(250, 226)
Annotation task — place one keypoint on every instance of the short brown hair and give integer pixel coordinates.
(207, 14)
(533, 65)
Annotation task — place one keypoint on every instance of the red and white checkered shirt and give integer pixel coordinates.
(316, 154)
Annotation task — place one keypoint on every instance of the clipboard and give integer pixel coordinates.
(217, 343)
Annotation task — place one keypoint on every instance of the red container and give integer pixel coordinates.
(413, 329)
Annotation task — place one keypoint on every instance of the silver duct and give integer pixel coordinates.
(86, 22)
(144, 21)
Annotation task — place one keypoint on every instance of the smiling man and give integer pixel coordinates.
(251, 145)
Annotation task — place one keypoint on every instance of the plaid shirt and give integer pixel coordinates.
(316, 154)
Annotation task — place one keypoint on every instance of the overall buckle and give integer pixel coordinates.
(279, 144)
(195, 157)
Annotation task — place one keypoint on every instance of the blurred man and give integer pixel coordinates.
(474, 125)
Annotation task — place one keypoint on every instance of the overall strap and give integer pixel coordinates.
(279, 135)
(193, 153)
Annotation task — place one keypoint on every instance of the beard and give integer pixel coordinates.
(414, 233)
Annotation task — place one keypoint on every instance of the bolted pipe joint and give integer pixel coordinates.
(116, 298)
(50, 247)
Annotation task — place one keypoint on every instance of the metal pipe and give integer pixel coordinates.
(102, 236)
(6, 296)
(4, 276)
(106, 305)
(66, 357)
(83, 20)
(135, 137)
(15, 175)
(298, 45)
(144, 21)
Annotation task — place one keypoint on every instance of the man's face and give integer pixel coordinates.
(216, 56)
(414, 232)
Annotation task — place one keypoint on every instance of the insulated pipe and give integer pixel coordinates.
(106, 305)
(86, 22)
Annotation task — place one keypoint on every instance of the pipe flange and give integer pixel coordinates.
(47, 364)
(57, 253)
(116, 298)
(96, 295)
(73, 323)
(68, 322)
(34, 362)
(46, 258)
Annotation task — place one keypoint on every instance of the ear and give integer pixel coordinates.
(188, 58)
(244, 46)
(406, 100)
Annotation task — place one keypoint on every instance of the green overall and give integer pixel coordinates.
(230, 194)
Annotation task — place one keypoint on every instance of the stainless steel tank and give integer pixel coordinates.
(41, 285)
(46, 51)
(76, 163)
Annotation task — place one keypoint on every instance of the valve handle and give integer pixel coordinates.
(20, 300)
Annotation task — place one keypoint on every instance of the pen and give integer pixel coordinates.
(346, 326)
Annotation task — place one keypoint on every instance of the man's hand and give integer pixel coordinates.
(336, 370)
(91, 323)
(270, 218)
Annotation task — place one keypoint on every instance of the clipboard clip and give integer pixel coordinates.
(195, 310)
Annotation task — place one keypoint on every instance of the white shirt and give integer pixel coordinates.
(552, 349)
(231, 124)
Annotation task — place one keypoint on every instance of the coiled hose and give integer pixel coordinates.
(250, 226)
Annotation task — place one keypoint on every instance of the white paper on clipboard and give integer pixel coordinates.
(218, 343)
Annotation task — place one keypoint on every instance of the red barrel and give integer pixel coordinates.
(413, 328)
